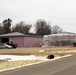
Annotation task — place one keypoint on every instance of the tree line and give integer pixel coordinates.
(41, 27)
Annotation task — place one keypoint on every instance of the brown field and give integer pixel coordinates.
(57, 51)
(35, 51)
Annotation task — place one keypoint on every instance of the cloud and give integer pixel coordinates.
(61, 12)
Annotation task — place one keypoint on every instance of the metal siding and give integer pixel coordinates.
(33, 41)
(55, 38)
(17, 40)
(27, 41)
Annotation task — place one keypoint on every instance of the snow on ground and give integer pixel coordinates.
(26, 57)
(17, 57)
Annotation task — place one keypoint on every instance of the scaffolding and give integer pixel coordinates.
(59, 39)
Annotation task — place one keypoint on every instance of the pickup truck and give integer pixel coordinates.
(11, 44)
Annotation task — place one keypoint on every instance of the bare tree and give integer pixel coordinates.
(22, 27)
(56, 29)
(6, 25)
(0, 28)
(42, 27)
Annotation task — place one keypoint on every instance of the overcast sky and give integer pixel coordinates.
(58, 12)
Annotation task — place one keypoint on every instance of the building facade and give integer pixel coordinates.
(21, 39)
(62, 39)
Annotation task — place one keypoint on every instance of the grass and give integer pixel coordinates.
(13, 64)
(35, 51)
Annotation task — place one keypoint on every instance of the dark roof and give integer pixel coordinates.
(17, 34)
(12, 34)
(66, 32)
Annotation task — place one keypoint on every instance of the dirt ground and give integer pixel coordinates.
(40, 51)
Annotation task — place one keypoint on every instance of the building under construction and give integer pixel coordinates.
(62, 39)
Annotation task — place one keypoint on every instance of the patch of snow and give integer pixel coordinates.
(17, 57)
(27, 57)
(30, 57)
(41, 51)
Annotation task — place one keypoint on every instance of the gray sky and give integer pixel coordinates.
(58, 12)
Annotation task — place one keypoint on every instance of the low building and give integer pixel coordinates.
(62, 39)
(21, 39)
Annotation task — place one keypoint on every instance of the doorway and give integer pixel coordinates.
(3, 40)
